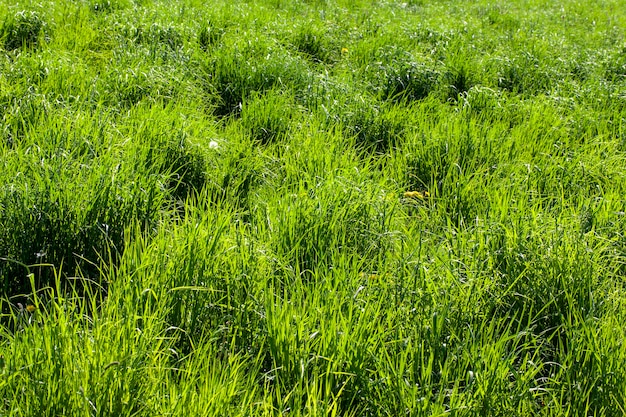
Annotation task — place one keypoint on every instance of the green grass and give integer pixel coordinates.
(312, 208)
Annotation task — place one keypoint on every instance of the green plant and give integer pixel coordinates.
(312, 208)
(267, 117)
(23, 30)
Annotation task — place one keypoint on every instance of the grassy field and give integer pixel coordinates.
(312, 208)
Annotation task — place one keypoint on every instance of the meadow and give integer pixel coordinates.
(312, 208)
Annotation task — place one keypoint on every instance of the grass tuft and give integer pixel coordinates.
(23, 30)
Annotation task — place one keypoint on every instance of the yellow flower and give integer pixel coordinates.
(344, 51)
(31, 308)
(367, 275)
(414, 194)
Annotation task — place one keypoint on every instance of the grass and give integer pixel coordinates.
(312, 208)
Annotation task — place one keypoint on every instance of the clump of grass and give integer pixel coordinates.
(305, 245)
(372, 125)
(399, 75)
(544, 289)
(187, 168)
(25, 29)
(45, 226)
(155, 35)
(71, 223)
(130, 86)
(21, 113)
(234, 77)
(107, 6)
(374, 128)
(169, 152)
(410, 81)
(615, 66)
(498, 16)
(268, 117)
(316, 44)
(458, 79)
(461, 72)
(206, 288)
(428, 166)
(209, 35)
(523, 74)
(485, 103)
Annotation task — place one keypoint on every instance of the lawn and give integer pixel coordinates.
(312, 208)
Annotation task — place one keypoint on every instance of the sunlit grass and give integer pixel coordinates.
(312, 208)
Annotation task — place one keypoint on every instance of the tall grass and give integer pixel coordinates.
(312, 208)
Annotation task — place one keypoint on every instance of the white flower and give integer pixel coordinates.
(213, 145)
